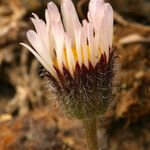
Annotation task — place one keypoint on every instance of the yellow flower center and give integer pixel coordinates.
(75, 55)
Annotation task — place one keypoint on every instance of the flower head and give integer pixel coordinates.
(78, 56)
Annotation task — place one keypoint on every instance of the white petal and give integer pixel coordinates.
(101, 15)
(35, 41)
(50, 35)
(106, 30)
(47, 18)
(47, 66)
(41, 29)
(78, 45)
(97, 52)
(84, 45)
(70, 58)
(70, 18)
(58, 34)
(92, 42)
(104, 45)
(52, 18)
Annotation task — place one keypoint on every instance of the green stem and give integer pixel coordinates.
(90, 133)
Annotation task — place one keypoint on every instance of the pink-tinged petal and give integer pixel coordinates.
(52, 15)
(48, 67)
(107, 20)
(53, 12)
(95, 9)
(70, 18)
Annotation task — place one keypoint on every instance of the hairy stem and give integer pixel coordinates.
(90, 133)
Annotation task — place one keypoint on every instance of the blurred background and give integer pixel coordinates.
(28, 118)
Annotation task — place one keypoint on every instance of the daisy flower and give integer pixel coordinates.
(78, 56)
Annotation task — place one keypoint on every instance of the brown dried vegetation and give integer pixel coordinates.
(25, 121)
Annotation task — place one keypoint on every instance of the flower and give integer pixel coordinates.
(78, 57)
